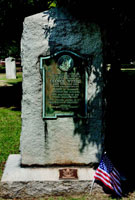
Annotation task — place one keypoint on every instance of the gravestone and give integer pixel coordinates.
(62, 125)
(10, 68)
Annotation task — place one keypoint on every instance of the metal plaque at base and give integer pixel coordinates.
(68, 173)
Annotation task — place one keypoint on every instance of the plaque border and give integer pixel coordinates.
(42, 69)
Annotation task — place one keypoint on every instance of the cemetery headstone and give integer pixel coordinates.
(62, 125)
(10, 68)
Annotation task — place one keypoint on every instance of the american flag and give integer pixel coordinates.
(107, 174)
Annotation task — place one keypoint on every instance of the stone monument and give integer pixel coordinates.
(62, 126)
(10, 68)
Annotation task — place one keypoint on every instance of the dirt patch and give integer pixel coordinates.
(4, 83)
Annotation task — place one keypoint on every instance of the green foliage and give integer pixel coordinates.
(12, 14)
(51, 4)
(12, 49)
(116, 24)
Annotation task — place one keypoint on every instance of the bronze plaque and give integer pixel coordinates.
(64, 89)
(68, 173)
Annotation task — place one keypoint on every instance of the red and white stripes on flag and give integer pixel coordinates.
(107, 174)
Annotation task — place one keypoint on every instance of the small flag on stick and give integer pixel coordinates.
(108, 175)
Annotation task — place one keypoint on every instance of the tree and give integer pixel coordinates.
(117, 24)
(12, 13)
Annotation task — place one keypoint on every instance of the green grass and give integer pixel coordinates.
(18, 78)
(127, 69)
(10, 125)
(10, 128)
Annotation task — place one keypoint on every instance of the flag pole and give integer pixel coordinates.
(92, 184)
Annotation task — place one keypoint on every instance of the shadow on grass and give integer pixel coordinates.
(10, 96)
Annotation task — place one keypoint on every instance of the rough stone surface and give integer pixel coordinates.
(10, 68)
(14, 172)
(23, 190)
(64, 140)
(22, 183)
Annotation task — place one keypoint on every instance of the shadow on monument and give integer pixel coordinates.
(119, 137)
(11, 96)
(87, 129)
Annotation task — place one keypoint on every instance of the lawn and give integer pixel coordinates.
(10, 119)
(10, 128)
(10, 82)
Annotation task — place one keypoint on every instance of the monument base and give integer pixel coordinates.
(28, 182)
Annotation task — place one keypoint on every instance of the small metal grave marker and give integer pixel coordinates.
(68, 173)
(64, 85)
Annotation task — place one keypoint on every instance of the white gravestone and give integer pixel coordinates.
(10, 68)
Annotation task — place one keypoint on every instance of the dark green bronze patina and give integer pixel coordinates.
(64, 85)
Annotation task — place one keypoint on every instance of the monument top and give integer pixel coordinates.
(58, 26)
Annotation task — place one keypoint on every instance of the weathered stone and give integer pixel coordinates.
(66, 140)
(10, 68)
(22, 183)
(38, 189)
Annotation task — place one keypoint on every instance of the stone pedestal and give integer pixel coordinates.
(22, 182)
(10, 68)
